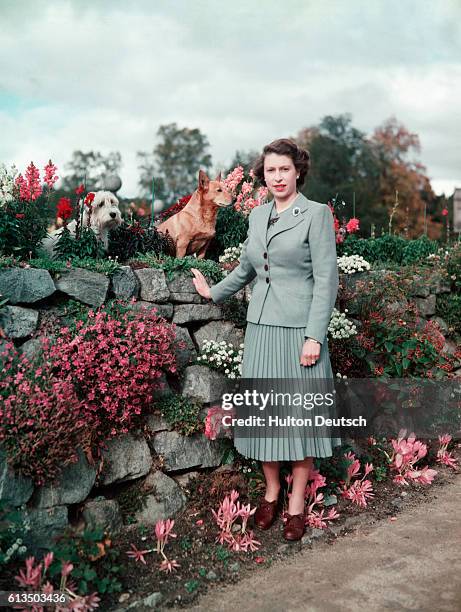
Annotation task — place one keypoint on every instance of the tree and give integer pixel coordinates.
(343, 162)
(244, 159)
(175, 161)
(392, 144)
(90, 168)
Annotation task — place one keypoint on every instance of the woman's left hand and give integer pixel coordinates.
(310, 353)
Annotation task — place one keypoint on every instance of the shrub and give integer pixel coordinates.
(42, 421)
(24, 209)
(231, 230)
(419, 249)
(115, 364)
(181, 412)
(127, 240)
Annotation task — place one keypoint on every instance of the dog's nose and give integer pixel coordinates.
(113, 215)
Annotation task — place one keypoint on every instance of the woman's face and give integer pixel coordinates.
(280, 175)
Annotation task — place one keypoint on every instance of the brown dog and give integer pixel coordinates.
(193, 227)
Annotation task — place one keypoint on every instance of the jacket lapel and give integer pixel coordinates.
(288, 220)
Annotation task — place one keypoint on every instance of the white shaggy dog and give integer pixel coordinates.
(105, 215)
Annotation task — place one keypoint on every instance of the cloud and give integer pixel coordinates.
(106, 75)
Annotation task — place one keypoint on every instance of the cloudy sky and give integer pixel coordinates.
(105, 75)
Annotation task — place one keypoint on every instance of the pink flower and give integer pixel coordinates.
(445, 212)
(48, 560)
(33, 575)
(50, 177)
(66, 568)
(168, 566)
(163, 531)
(233, 179)
(352, 225)
(29, 187)
(137, 555)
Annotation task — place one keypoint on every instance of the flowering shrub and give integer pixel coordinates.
(352, 263)
(230, 258)
(358, 490)
(392, 341)
(222, 357)
(32, 578)
(340, 327)
(245, 192)
(114, 365)
(23, 219)
(406, 453)
(214, 424)
(226, 518)
(42, 422)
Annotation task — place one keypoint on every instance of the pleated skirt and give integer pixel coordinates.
(273, 352)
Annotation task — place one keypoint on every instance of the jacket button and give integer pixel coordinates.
(265, 255)
(267, 280)
(266, 267)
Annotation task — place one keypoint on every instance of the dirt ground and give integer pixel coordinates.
(410, 563)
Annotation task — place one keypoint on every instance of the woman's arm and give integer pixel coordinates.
(238, 278)
(322, 242)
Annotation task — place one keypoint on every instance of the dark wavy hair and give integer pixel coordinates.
(284, 146)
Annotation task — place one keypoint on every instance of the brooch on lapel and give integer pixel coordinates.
(296, 211)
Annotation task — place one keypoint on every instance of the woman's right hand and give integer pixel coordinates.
(200, 284)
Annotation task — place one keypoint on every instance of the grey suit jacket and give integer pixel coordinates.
(296, 269)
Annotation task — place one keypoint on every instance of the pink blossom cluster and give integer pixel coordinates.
(233, 179)
(246, 194)
(443, 455)
(33, 579)
(229, 511)
(314, 517)
(213, 422)
(358, 490)
(29, 187)
(50, 176)
(115, 364)
(41, 418)
(406, 453)
(163, 531)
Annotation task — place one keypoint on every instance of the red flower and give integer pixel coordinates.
(80, 189)
(89, 199)
(445, 212)
(64, 208)
(352, 225)
(20, 215)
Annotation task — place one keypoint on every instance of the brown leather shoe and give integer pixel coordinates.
(294, 527)
(266, 513)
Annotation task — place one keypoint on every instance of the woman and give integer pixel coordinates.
(291, 249)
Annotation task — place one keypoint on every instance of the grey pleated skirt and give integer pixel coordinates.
(273, 352)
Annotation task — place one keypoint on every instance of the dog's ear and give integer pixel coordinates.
(218, 178)
(203, 181)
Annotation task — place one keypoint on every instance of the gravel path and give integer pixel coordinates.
(412, 563)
